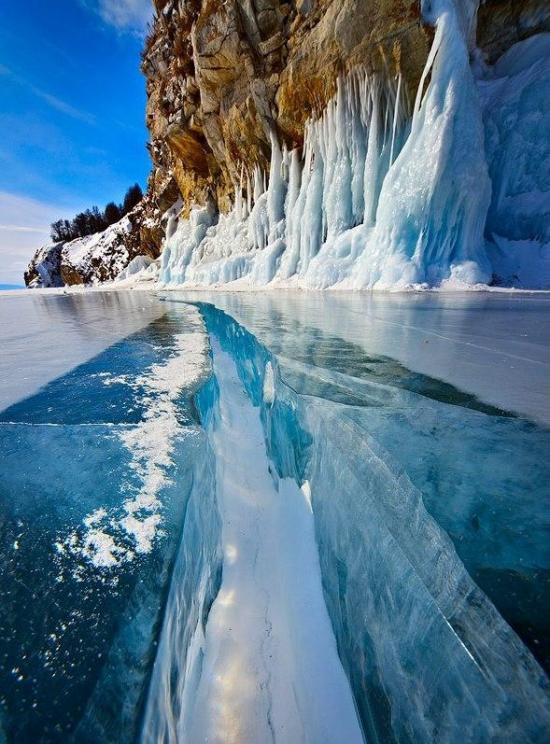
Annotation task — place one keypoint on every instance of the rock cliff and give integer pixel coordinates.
(223, 76)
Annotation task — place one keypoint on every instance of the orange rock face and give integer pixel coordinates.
(221, 74)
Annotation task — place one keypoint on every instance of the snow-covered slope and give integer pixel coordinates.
(92, 259)
(44, 267)
(97, 257)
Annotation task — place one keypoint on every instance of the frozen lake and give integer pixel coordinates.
(278, 516)
(495, 346)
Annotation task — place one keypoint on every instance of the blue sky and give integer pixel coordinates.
(72, 110)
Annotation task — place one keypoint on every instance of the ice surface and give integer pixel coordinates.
(265, 666)
(96, 473)
(44, 335)
(326, 541)
(151, 443)
(401, 602)
(493, 346)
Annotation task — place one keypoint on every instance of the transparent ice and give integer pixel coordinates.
(275, 517)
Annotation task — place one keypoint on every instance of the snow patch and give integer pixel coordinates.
(113, 536)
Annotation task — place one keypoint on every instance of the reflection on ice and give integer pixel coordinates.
(427, 654)
(492, 346)
(340, 535)
(45, 335)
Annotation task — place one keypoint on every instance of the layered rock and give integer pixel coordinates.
(222, 74)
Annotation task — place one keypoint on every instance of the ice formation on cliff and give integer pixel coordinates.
(516, 112)
(383, 199)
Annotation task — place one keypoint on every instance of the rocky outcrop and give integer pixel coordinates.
(222, 74)
(100, 257)
(44, 269)
(502, 23)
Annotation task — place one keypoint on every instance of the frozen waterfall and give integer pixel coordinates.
(387, 194)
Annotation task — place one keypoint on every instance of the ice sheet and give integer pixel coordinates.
(43, 335)
(496, 347)
(267, 668)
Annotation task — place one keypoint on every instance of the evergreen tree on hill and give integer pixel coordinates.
(92, 220)
(132, 198)
(112, 213)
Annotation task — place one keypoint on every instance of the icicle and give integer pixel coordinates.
(358, 149)
(238, 208)
(434, 199)
(276, 188)
(258, 183)
(248, 194)
(395, 116)
(337, 176)
(372, 159)
(294, 209)
(366, 206)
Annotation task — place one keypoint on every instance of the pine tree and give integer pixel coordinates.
(57, 231)
(93, 220)
(97, 222)
(132, 197)
(79, 225)
(67, 231)
(112, 213)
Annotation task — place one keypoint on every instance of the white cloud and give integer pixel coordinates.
(63, 106)
(24, 227)
(126, 15)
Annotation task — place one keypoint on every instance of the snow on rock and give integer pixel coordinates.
(44, 268)
(94, 258)
(454, 196)
(97, 257)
